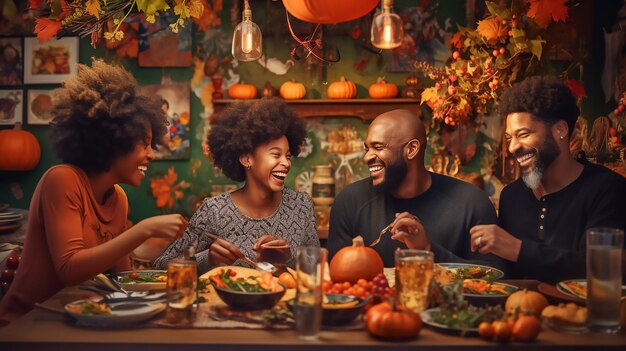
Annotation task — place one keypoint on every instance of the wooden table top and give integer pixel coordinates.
(42, 331)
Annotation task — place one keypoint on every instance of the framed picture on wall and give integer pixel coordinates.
(11, 61)
(39, 106)
(11, 106)
(175, 102)
(49, 62)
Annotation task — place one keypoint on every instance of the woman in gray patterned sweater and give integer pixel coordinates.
(251, 143)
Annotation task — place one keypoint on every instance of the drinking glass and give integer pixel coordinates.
(414, 270)
(307, 307)
(604, 278)
(182, 280)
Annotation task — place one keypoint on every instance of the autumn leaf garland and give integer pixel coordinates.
(505, 48)
(89, 17)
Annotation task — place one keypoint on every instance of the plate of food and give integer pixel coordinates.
(93, 313)
(446, 273)
(577, 288)
(247, 292)
(143, 280)
(479, 292)
(436, 319)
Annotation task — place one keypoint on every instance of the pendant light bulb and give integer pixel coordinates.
(387, 28)
(247, 38)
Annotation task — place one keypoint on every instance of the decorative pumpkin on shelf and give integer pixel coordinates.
(242, 91)
(342, 89)
(292, 90)
(268, 90)
(383, 90)
(355, 262)
(19, 149)
(390, 321)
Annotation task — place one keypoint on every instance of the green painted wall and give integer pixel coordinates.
(16, 188)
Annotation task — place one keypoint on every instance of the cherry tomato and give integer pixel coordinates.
(526, 328)
(134, 275)
(486, 330)
(502, 331)
(5, 287)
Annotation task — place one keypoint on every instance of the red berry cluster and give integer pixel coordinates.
(381, 286)
(11, 264)
(621, 107)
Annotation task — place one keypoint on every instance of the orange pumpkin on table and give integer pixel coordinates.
(383, 90)
(292, 90)
(390, 321)
(242, 91)
(526, 301)
(355, 262)
(342, 89)
(19, 149)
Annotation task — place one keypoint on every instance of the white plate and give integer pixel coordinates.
(10, 215)
(117, 317)
(563, 287)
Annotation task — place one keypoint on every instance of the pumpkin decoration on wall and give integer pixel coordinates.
(383, 90)
(19, 149)
(292, 90)
(342, 89)
(242, 91)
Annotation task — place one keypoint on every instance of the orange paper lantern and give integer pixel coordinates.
(329, 11)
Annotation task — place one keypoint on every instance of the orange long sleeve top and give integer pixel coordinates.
(64, 219)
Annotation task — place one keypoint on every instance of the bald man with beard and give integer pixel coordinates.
(428, 211)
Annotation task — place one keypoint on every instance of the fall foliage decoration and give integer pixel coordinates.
(355, 262)
(90, 17)
(242, 91)
(506, 47)
(388, 320)
(19, 149)
(382, 89)
(165, 189)
(342, 89)
(292, 90)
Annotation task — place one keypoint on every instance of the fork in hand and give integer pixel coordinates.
(381, 235)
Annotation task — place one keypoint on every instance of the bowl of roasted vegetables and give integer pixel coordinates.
(247, 293)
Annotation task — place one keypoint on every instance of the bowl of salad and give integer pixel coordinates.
(247, 293)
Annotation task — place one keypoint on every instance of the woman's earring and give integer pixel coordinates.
(248, 167)
(561, 137)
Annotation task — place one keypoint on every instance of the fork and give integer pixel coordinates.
(262, 266)
(381, 235)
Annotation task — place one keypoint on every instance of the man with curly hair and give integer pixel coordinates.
(251, 143)
(103, 133)
(544, 215)
(425, 210)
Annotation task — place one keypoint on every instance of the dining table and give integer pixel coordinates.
(42, 330)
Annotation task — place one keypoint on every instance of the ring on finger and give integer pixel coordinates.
(478, 241)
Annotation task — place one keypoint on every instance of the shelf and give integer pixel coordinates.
(365, 109)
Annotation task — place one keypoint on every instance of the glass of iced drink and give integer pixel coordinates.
(307, 307)
(182, 280)
(414, 270)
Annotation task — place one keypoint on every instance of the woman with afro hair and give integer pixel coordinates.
(103, 132)
(251, 143)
